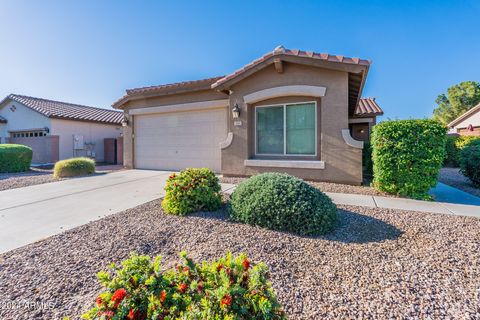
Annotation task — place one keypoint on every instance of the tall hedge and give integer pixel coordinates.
(407, 156)
(15, 157)
(454, 147)
(470, 162)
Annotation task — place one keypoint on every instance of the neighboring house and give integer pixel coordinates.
(468, 124)
(57, 130)
(289, 111)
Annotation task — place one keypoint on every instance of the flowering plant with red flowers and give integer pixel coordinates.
(228, 288)
(192, 190)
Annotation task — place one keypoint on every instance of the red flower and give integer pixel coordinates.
(219, 267)
(163, 295)
(199, 288)
(108, 314)
(186, 269)
(132, 314)
(172, 176)
(99, 301)
(246, 264)
(182, 287)
(226, 301)
(118, 296)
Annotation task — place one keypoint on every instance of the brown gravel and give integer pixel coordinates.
(453, 177)
(325, 187)
(378, 263)
(39, 176)
(24, 179)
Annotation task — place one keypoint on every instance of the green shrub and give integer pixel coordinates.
(74, 167)
(367, 158)
(454, 146)
(15, 158)
(229, 288)
(470, 162)
(282, 202)
(192, 190)
(407, 156)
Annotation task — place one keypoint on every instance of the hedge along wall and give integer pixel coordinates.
(455, 145)
(407, 156)
(15, 158)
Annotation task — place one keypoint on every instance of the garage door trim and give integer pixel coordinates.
(192, 106)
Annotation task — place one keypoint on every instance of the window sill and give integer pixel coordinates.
(296, 164)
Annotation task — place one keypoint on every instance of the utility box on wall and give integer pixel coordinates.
(78, 142)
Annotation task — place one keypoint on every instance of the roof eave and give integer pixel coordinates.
(119, 104)
(222, 84)
(464, 116)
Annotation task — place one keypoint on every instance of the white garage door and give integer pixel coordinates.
(174, 141)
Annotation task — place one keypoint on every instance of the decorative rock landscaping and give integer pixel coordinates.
(377, 263)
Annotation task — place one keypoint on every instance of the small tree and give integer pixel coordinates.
(459, 99)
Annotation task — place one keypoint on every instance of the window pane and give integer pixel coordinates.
(270, 130)
(301, 128)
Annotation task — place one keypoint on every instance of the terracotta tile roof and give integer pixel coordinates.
(68, 111)
(175, 85)
(292, 52)
(184, 85)
(3, 120)
(367, 107)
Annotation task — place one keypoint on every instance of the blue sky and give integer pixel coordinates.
(89, 52)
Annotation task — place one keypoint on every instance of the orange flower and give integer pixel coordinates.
(246, 264)
(226, 301)
(163, 295)
(182, 287)
(131, 314)
(99, 301)
(118, 296)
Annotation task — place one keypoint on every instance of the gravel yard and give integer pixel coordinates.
(38, 176)
(25, 179)
(325, 187)
(377, 264)
(454, 178)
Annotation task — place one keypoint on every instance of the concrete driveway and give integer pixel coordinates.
(33, 213)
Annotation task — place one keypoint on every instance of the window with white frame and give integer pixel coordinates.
(286, 129)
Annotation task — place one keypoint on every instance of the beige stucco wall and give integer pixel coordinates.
(91, 131)
(473, 120)
(342, 162)
(44, 149)
(23, 118)
(128, 131)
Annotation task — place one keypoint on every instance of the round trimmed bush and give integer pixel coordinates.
(74, 167)
(15, 158)
(281, 202)
(192, 190)
(470, 162)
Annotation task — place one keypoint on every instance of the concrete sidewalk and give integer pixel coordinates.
(446, 193)
(398, 203)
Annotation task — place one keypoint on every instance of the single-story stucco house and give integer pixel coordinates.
(289, 111)
(468, 124)
(57, 130)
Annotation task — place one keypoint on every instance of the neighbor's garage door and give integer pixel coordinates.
(174, 141)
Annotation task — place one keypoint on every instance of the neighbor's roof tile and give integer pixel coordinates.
(69, 111)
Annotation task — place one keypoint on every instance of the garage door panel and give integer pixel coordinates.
(175, 141)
